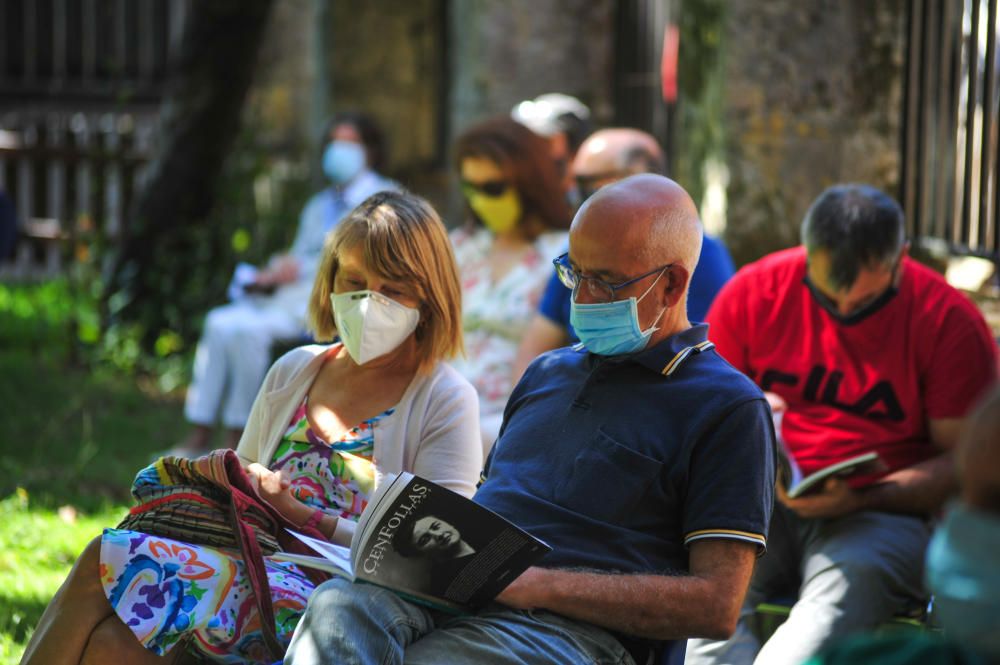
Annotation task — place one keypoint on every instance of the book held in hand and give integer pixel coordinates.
(429, 544)
(796, 485)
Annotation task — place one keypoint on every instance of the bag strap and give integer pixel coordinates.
(256, 571)
(243, 496)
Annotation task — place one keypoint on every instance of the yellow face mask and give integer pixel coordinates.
(499, 214)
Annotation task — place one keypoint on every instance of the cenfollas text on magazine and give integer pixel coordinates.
(383, 538)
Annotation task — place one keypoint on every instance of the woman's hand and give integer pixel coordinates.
(275, 488)
(282, 269)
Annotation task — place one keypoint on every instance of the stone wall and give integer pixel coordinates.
(386, 57)
(282, 104)
(813, 97)
(428, 68)
(504, 52)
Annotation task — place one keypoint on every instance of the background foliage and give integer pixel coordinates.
(699, 135)
(85, 407)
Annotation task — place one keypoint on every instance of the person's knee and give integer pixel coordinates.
(249, 336)
(338, 610)
(227, 323)
(86, 572)
(846, 581)
(91, 554)
(335, 596)
(215, 321)
(856, 594)
(107, 644)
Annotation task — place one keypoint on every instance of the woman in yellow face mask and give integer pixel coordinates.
(516, 224)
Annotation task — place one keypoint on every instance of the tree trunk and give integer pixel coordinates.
(200, 119)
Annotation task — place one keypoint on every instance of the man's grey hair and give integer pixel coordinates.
(859, 226)
(674, 239)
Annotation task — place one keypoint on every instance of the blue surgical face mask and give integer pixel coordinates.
(342, 160)
(612, 328)
(963, 571)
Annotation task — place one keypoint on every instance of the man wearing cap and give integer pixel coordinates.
(564, 122)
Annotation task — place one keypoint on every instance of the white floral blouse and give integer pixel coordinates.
(495, 315)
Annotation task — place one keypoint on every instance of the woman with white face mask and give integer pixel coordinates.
(517, 216)
(329, 422)
(269, 303)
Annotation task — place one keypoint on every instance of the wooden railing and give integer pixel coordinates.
(69, 172)
(80, 83)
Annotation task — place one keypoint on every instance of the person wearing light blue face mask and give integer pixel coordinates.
(962, 568)
(608, 327)
(963, 559)
(620, 304)
(269, 303)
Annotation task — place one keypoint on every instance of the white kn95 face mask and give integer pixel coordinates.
(370, 324)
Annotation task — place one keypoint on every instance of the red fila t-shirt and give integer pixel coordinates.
(926, 354)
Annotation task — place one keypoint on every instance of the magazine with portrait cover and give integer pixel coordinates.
(429, 544)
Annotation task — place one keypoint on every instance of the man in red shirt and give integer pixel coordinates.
(860, 349)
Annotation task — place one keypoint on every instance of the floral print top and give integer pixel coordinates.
(496, 313)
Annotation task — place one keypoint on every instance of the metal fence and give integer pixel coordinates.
(80, 84)
(949, 182)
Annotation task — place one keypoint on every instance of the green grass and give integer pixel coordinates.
(74, 429)
(37, 549)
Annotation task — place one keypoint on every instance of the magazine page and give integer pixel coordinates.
(869, 462)
(335, 558)
(432, 542)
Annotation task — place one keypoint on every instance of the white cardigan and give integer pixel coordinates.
(433, 431)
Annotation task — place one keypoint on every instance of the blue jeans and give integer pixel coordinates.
(360, 624)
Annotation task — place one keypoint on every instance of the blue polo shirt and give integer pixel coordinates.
(619, 463)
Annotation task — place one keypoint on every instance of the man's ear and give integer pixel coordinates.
(677, 281)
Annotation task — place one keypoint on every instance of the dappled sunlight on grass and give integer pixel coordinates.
(37, 550)
(80, 419)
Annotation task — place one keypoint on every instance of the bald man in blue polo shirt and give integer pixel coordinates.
(640, 456)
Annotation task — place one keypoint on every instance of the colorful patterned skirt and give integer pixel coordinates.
(168, 592)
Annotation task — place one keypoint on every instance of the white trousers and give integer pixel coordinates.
(232, 358)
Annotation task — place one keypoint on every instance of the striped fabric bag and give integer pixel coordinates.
(210, 500)
(190, 500)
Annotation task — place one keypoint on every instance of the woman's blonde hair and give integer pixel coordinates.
(403, 240)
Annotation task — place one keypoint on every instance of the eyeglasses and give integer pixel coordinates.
(588, 185)
(597, 289)
(491, 188)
